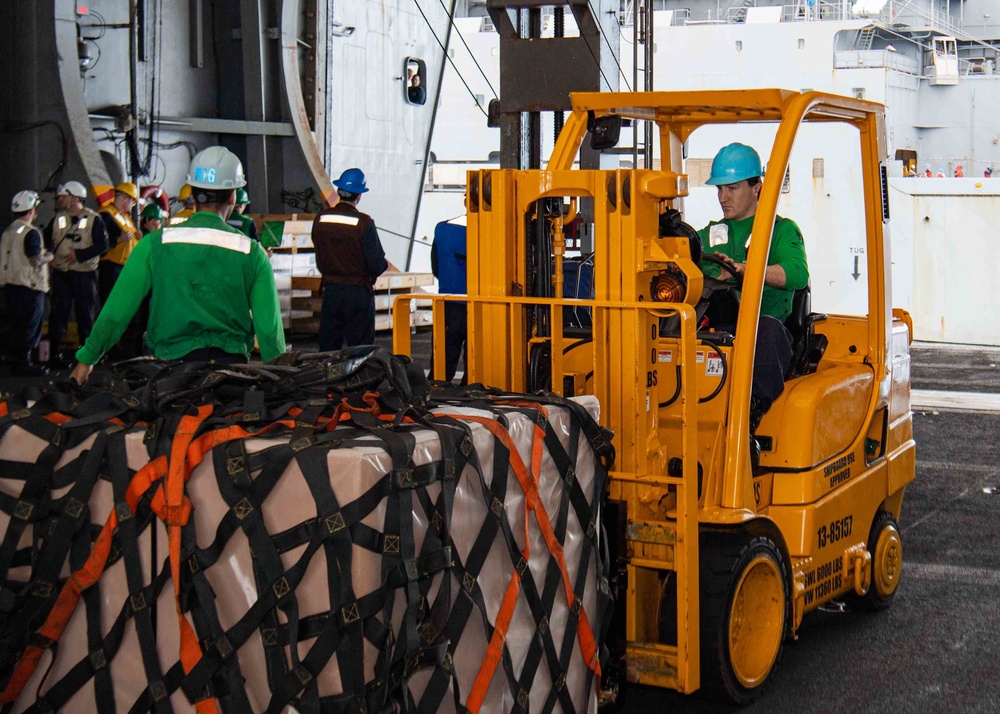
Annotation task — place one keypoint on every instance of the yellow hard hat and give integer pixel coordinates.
(129, 189)
(185, 193)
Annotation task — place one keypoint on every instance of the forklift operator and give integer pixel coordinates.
(736, 171)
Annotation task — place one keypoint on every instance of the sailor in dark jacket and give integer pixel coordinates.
(350, 257)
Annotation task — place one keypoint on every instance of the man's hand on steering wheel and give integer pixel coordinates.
(730, 269)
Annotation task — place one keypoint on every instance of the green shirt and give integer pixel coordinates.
(211, 287)
(787, 250)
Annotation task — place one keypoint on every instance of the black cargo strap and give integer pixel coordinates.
(414, 621)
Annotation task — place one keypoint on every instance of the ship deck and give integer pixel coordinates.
(936, 649)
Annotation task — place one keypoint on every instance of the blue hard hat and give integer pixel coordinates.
(734, 163)
(352, 181)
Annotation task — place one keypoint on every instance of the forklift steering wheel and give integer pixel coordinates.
(737, 278)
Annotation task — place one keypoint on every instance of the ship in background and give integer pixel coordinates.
(935, 67)
(323, 87)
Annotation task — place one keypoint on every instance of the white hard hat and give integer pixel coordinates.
(72, 188)
(216, 168)
(24, 201)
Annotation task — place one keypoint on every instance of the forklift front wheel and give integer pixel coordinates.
(745, 613)
(757, 614)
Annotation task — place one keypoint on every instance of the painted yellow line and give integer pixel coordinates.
(955, 401)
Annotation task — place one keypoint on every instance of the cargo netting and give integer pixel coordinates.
(331, 533)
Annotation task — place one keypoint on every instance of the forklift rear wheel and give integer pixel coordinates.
(886, 548)
(744, 615)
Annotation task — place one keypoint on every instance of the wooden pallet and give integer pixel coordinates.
(387, 287)
(303, 296)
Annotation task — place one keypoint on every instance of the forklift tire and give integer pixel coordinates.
(886, 547)
(745, 611)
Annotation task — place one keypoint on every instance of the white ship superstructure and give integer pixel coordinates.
(934, 67)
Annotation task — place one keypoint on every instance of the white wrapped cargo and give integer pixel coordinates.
(442, 562)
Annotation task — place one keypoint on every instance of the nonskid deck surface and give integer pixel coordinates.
(935, 649)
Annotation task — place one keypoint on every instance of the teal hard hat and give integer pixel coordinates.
(352, 181)
(734, 163)
(152, 212)
(242, 198)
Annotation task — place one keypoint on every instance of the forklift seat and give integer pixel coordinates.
(807, 346)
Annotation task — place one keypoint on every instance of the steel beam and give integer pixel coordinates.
(218, 126)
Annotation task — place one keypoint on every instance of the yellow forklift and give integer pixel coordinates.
(718, 559)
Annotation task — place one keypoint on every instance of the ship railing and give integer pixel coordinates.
(906, 12)
(822, 11)
(917, 17)
(869, 59)
(802, 11)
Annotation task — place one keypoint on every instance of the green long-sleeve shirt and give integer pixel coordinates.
(731, 238)
(210, 286)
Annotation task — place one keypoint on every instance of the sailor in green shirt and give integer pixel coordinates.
(243, 223)
(737, 172)
(212, 288)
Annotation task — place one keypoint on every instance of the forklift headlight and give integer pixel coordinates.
(669, 287)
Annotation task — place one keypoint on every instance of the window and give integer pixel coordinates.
(858, 92)
(415, 91)
(739, 45)
(802, 43)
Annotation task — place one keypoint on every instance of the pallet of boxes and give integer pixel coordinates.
(300, 285)
(280, 538)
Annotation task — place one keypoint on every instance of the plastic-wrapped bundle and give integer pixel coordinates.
(331, 535)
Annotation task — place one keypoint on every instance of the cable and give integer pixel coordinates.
(677, 390)
(718, 387)
(155, 97)
(400, 235)
(62, 139)
(101, 23)
(586, 41)
(724, 376)
(451, 25)
(600, 30)
(445, 54)
(189, 145)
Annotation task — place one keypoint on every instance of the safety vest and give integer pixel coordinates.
(71, 234)
(337, 234)
(16, 268)
(128, 239)
(181, 216)
(244, 224)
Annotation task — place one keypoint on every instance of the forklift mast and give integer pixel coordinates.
(703, 537)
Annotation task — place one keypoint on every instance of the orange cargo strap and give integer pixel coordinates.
(78, 582)
(529, 484)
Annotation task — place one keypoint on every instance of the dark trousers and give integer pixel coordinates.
(25, 307)
(772, 355)
(72, 290)
(108, 273)
(214, 354)
(455, 329)
(132, 342)
(348, 317)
